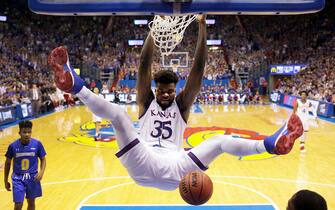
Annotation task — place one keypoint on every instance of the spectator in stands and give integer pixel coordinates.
(249, 44)
(35, 98)
(92, 84)
(46, 103)
(250, 86)
(117, 98)
(104, 89)
(257, 98)
(264, 86)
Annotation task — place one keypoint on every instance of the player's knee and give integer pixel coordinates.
(31, 202)
(229, 145)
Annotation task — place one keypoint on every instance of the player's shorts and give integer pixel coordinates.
(96, 118)
(25, 186)
(157, 167)
(305, 123)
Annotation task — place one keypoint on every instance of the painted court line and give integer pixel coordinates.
(273, 206)
(178, 207)
(169, 204)
(100, 191)
(213, 176)
(252, 190)
(80, 180)
(276, 180)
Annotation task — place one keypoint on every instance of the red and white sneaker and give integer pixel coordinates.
(282, 141)
(66, 78)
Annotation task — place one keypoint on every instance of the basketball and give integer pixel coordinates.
(196, 188)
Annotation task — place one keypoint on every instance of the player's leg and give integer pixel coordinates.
(279, 143)
(303, 138)
(208, 150)
(18, 205)
(97, 122)
(18, 191)
(33, 191)
(97, 129)
(122, 124)
(302, 142)
(31, 203)
(67, 80)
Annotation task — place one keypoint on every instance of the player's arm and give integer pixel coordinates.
(40, 174)
(186, 97)
(144, 92)
(6, 171)
(314, 112)
(295, 108)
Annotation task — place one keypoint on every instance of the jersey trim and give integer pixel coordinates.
(182, 117)
(127, 148)
(146, 109)
(197, 161)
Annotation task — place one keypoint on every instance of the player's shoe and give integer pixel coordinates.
(65, 77)
(97, 137)
(302, 148)
(282, 141)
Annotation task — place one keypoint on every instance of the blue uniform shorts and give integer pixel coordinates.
(24, 185)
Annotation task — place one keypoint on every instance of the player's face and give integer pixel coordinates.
(165, 94)
(303, 95)
(25, 134)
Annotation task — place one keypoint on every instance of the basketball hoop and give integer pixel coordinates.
(168, 31)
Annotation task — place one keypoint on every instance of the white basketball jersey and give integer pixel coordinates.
(162, 128)
(303, 109)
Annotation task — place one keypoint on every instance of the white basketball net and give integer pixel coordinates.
(168, 31)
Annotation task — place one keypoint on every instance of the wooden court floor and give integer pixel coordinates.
(81, 172)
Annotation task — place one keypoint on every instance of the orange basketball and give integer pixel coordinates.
(196, 188)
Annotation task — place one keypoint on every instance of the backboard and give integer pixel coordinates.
(177, 59)
(153, 7)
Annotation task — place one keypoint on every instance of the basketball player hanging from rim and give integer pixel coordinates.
(155, 157)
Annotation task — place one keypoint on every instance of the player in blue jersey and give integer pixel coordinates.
(25, 178)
